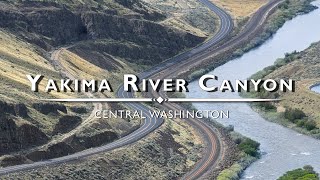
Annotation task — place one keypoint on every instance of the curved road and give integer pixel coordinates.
(150, 124)
(214, 152)
(210, 135)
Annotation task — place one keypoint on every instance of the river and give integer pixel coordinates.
(316, 88)
(282, 149)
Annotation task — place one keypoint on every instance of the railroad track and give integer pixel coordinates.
(171, 68)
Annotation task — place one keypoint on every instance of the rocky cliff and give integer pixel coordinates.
(47, 108)
(66, 123)
(113, 35)
(13, 109)
(16, 134)
(50, 24)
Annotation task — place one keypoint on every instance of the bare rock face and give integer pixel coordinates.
(66, 123)
(21, 110)
(136, 30)
(79, 110)
(46, 108)
(11, 160)
(136, 40)
(87, 141)
(53, 151)
(60, 24)
(14, 137)
(6, 108)
(139, 39)
(49, 20)
(14, 109)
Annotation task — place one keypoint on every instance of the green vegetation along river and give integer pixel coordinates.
(282, 149)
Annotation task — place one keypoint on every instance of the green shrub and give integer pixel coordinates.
(310, 125)
(197, 74)
(307, 173)
(267, 106)
(230, 173)
(250, 147)
(300, 123)
(294, 114)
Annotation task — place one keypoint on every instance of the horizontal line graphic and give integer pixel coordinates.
(159, 100)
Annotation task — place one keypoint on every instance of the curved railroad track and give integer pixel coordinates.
(171, 68)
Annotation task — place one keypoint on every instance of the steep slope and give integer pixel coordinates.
(50, 24)
(108, 39)
(300, 109)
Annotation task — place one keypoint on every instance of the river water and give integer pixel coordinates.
(282, 149)
(316, 89)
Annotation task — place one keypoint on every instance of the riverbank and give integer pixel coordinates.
(248, 153)
(298, 110)
(286, 11)
(277, 143)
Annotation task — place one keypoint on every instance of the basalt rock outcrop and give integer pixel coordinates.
(21, 110)
(139, 37)
(82, 142)
(66, 123)
(13, 109)
(46, 108)
(16, 134)
(53, 151)
(11, 160)
(79, 110)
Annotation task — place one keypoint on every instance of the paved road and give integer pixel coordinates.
(150, 124)
(210, 135)
(224, 30)
(214, 152)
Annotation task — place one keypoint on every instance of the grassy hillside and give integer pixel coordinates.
(166, 154)
(187, 15)
(18, 59)
(299, 109)
(102, 40)
(55, 23)
(240, 8)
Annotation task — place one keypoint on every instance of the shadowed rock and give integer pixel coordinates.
(46, 108)
(16, 136)
(66, 123)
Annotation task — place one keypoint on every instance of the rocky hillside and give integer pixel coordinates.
(303, 67)
(299, 109)
(103, 39)
(50, 24)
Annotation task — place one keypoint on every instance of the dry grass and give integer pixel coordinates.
(18, 59)
(177, 22)
(304, 99)
(186, 135)
(82, 69)
(305, 70)
(177, 12)
(240, 8)
(142, 159)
